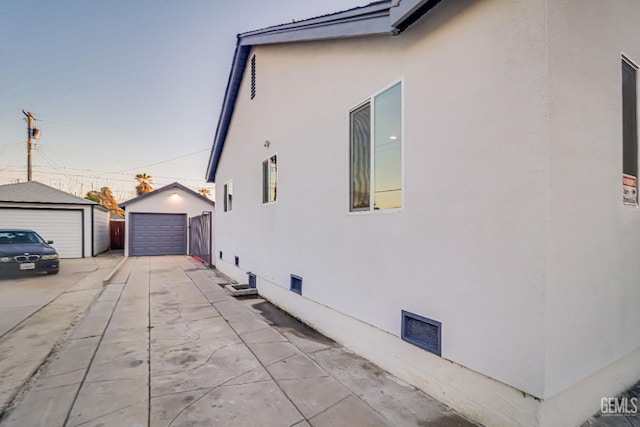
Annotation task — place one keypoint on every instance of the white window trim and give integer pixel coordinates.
(626, 58)
(277, 179)
(371, 99)
(225, 203)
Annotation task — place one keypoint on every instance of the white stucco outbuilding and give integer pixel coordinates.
(78, 227)
(157, 222)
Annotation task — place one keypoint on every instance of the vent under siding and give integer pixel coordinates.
(296, 284)
(422, 332)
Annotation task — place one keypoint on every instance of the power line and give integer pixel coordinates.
(166, 161)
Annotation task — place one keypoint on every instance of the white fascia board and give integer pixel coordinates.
(401, 11)
(404, 9)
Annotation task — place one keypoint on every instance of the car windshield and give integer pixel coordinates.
(10, 237)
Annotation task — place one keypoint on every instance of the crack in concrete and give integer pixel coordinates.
(201, 365)
(108, 413)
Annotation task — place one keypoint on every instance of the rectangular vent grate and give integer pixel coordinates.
(220, 253)
(253, 76)
(296, 284)
(252, 280)
(423, 332)
(237, 262)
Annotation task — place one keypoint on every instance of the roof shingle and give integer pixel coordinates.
(35, 192)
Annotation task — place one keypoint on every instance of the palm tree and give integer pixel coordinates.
(205, 192)
(144, 183)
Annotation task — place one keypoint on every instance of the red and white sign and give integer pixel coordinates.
(629, 190)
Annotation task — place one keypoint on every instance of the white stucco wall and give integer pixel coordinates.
(174, 200)
(517, 244)
(101, 232)
(593, 273)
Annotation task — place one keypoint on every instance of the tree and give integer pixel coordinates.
(105, 198)
(144, 183)
(93, 195)
(205, 192)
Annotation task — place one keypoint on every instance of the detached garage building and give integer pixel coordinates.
(157, 222)
(78, 227)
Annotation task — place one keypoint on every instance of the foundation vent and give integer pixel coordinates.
(296, 284)
(237, 261)
(422, 332)
(252, 280)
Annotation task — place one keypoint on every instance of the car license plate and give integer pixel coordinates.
(27, 266)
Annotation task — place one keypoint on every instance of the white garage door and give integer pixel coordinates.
(158, 234)
(64, 227)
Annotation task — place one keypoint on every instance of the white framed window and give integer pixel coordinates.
(228, 196)
(629, 133)
(270, 179)
(375, 134)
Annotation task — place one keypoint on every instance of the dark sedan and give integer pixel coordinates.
(24, 251)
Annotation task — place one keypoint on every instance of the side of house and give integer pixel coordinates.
(445, 201)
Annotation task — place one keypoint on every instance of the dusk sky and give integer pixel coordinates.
(122, 87)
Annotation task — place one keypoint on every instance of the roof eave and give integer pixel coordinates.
(231, 94)
(363, 21)
(384, 17)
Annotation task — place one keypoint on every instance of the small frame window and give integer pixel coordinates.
(376, 152)
(228, 196)
(270, 179)
(629, 133)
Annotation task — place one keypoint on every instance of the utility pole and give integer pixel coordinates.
(31, 132)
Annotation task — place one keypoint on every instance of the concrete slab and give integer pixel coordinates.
(350, 411)
(255, 404)
(111, 403)
(27, 346)
(264, 335)
(53, 407)
(272, 352)
(224, 364)
(398, 402)
(167, 346)
(298, 366)
(56, 388)
(313, 396)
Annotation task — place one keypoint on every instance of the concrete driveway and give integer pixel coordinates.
(165, 345)
(36, 310)
(23, 295)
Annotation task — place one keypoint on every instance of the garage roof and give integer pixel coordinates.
(166, 188)
(35, 192)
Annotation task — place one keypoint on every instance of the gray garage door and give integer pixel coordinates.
(157, 234)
